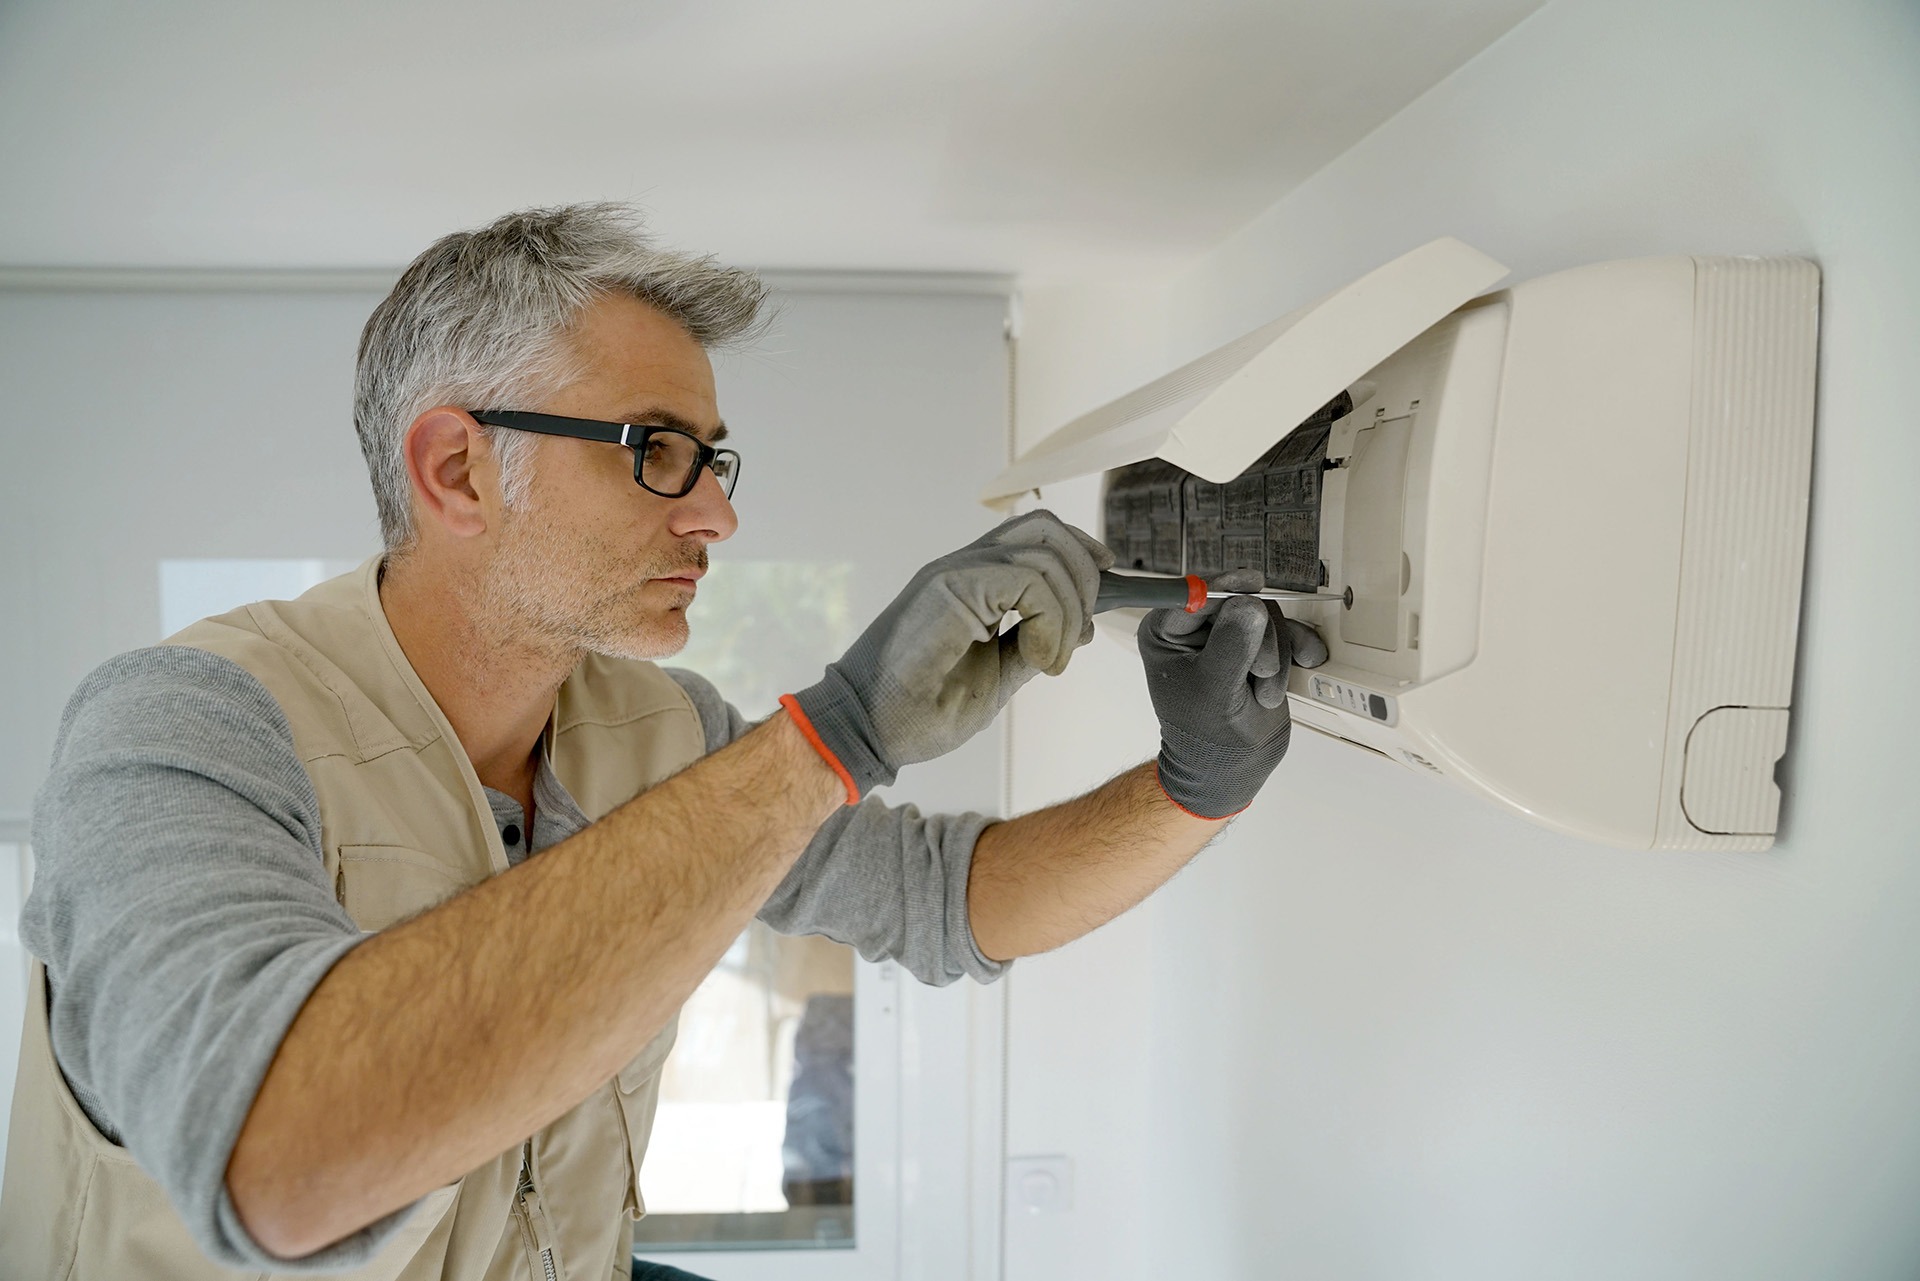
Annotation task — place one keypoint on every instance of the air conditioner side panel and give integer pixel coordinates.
(1749, 472)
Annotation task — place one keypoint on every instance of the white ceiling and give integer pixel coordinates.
(1020, 136)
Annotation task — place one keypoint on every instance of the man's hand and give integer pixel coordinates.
(1218, 679)
(933, 670)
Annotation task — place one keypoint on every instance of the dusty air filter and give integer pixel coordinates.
(1164, 520)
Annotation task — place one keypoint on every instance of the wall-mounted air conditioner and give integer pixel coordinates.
(1563, 524)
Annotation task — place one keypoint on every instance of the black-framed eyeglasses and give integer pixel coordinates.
(666, 460)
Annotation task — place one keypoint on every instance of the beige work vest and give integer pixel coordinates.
(405, 825)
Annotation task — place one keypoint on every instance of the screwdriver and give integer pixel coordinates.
(1126, 591)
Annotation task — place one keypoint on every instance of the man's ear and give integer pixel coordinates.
(443, 448)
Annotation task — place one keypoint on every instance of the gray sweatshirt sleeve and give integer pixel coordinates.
(181, 906)
(887, 880)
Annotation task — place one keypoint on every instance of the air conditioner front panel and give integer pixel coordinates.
(1215, 415)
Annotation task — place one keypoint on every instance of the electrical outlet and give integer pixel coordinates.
(1039, 1184)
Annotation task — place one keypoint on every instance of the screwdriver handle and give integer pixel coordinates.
(1124, 591)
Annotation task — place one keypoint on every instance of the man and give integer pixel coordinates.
(362, 920)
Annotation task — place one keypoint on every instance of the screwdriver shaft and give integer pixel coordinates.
(1124, 591)
(1265, 594)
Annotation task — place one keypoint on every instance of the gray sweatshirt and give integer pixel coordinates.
(183, 911)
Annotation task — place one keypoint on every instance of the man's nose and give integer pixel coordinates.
(704, 510)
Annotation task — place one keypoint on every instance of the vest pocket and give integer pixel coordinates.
(381, 885)
(637, 1089)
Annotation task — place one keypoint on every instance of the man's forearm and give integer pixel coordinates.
(1048, 877)
(447, 1039)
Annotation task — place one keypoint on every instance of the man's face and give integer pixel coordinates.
(589, 559)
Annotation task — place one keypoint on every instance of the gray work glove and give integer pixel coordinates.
(933, 670)
(1218, 679)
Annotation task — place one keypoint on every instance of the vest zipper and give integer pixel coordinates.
(532, 1218)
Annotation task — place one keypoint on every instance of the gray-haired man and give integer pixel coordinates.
(303, 994)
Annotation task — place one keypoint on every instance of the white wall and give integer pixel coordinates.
(1382, 1031)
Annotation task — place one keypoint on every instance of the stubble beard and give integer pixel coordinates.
(554, 592)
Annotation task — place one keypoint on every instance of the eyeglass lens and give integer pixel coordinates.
(669, 464)
(726, 469)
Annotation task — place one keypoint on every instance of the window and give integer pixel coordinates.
(191, 590)
(753, 1147)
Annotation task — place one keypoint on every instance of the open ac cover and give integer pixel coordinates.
(1572, 516)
